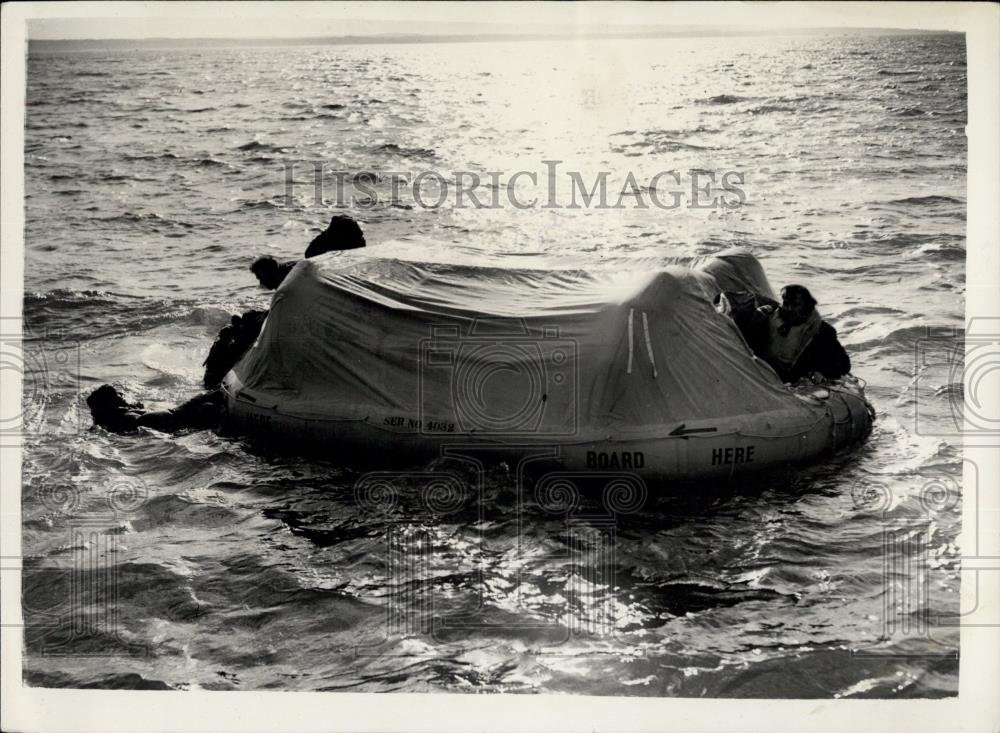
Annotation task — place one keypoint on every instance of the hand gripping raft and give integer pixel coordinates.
(394, 353)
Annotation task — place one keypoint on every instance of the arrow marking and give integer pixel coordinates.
(681, 432)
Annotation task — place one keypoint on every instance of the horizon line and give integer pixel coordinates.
(361, 38)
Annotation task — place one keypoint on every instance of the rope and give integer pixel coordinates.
(649, 343)
(630, 341)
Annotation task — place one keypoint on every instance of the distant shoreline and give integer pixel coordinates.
(123, 44)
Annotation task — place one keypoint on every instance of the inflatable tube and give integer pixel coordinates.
(837, 417)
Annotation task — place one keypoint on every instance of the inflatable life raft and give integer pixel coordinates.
(403, 352)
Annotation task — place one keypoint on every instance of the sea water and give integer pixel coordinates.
(155, 176)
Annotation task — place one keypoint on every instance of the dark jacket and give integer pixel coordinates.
(753, 326)
(745, 310)
(824, 354)
(230, 345)
(284, 268)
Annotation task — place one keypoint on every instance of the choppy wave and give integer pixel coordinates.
(151, 156)
(723, 99)
(764, 109)
(256, 145)
(932, 200)
(394, 149)
(909, 111)
(95, 314)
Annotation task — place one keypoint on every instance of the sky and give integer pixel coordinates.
(317, 19)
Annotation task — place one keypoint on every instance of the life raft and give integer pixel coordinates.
(403, 353)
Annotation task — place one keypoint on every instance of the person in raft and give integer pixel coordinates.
(343, 233)
(791, 337)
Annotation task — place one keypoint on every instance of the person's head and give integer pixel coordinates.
(342, 233)
(266, 270)
(106, 401)
(797, 304)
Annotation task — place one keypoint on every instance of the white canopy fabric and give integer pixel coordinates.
(518, 345)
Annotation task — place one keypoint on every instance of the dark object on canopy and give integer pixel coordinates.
(342, 233)
(231, 343)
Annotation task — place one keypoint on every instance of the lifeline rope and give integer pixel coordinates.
(631, 341)
(649, 343)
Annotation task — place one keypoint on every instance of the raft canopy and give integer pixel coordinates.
(415, 335)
